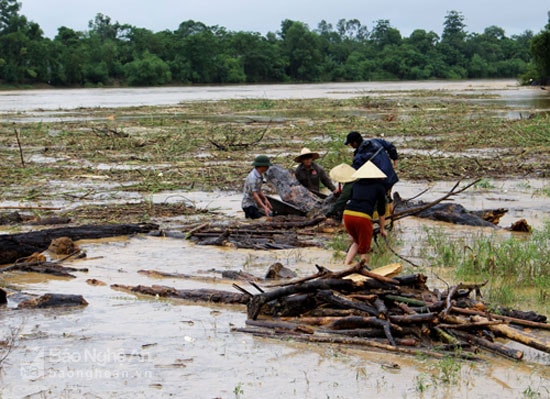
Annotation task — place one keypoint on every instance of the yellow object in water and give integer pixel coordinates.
(391, 270)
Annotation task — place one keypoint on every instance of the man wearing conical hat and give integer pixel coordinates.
(368, 194)
(380, 152)
(310, 174)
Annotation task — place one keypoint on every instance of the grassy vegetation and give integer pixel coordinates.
(208, 145)
(517, 268)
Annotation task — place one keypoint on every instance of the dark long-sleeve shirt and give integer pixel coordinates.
(312, 177)
(337, 209)
(381, 153)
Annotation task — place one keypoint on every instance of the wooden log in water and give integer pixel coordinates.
(52, 268)
(198, 295)
(53, 301)
(516, 335)
(256, 303)
(281, 325)
(491, 346)
(329, 297)
(20, 245)
(333, 339)
(511, 320)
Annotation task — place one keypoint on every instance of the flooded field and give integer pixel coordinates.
(128, 346)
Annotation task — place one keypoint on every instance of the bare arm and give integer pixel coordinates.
(262, 201)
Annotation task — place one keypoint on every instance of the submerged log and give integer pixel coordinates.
(16, 246)
(52, 268)
(198, 295)
(53, 301)
(331, 339)
(449, 212)
(452, 213)
(276, 233)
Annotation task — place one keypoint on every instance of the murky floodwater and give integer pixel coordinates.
(511, 94)
(121, 346)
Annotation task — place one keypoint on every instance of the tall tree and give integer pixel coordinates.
(383, 34)
(302, 49)
(540, 48)
(453, 44)
(24, 53)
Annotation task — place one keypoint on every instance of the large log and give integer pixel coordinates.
(198, 295)
(511, 320)
(290, 190)
(492, 346)
(53, 301)
(52, 268)
(516, 335)
(329, 297)
(332, 339)
(256, 303)
(16, 246)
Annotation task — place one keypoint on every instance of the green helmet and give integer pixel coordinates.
(261, 160)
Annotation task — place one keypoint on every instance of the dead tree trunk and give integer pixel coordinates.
(16, 246)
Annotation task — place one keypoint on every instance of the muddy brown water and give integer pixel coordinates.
(127, 346)
(123, 346)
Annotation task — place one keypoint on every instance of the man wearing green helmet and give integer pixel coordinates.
(255, 204)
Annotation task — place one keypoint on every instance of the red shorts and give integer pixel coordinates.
(360, 229)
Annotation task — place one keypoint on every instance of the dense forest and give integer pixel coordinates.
(110, 53)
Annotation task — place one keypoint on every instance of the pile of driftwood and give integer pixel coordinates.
(399, 314)
(282, 232)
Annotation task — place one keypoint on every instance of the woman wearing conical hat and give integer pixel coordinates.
(311, 175)
(342, 174)
(368, 194)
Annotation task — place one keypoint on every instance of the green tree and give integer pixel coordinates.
(540, 49)
(147, 70)
(302, 49)
(24, 53)
(452, 45)
(70, 55)
(199, 52)
(260, 59)
(104, 48)
(9, 10)
(383, 34)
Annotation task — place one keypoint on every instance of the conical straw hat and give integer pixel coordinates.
(368, 171)
(306, 152)
(342, 173)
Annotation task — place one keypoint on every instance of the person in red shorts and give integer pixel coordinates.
(368, 194)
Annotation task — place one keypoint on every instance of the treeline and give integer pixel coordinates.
(111, 53)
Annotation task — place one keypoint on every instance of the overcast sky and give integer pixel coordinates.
(514, 16)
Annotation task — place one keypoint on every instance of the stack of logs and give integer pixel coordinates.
(399, 314)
